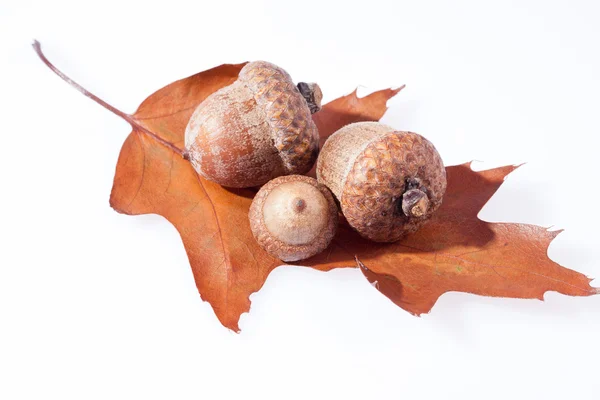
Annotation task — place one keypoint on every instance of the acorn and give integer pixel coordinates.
(388, 183)
(255, 129)
(293, 217)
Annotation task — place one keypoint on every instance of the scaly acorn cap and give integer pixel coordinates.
(388, 182)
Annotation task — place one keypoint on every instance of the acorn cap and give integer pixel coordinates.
(293, 217)
(388, 182)
(294, 134)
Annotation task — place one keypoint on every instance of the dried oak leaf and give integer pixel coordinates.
(227, 263)
(351, 108)
(456, 251)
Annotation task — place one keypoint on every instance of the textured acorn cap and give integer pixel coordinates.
(253, 130)
(375, 171)
(293, 217)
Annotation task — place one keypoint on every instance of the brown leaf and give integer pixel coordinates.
(351, 108)
(456, 251)
(226, 261)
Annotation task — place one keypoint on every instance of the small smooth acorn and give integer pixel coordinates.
(293, 217)
(258, 128)
(388, 182)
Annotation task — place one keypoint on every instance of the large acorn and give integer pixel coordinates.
(255, 129)
(388, 182)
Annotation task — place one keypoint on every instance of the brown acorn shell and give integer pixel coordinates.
(367, 166)
(284, 251)
(258, 128)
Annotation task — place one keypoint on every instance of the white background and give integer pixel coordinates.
(97, 305)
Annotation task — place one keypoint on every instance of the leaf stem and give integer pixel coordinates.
(127, 117)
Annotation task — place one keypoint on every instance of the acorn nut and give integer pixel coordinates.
(255, 129)
(388, 183)
(293, 217)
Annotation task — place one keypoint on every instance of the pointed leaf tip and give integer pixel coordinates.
(456, 251)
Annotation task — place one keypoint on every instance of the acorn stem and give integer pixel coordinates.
(127, 117)
(312, 94)
(415, 203)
